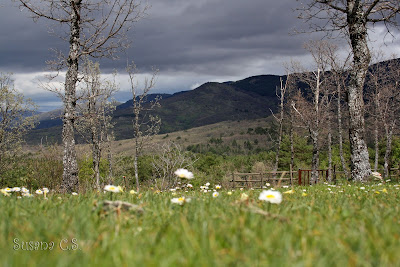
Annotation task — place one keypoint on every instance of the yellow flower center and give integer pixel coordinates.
(270, 196)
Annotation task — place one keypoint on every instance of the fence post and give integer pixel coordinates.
(291, 174)
(261, 178)
(233, 181)
(334, 174)
(299, 172)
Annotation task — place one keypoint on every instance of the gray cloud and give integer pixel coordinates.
(190, 41)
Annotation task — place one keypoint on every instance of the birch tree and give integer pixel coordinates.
(95, 28)
(310, 106)
(16, 118)
(145, 125)
(95, 113)
(281, 94)
(385, 98)
(353, 18)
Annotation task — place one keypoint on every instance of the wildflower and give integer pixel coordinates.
(244, 196)
(267, 184)
(215, 194)
(16, 189)
(180, 200)
(189, 186)
(24, 190)
(120, 189)
(304, 194)
(362, 187)
(217, 186)
(207, 184)
(377, 192)
(112, 188)
(241, 189)
(132, 192)
(229, 193)
(384, 190)
(271, 196)
(4, 192)
(74, 193)
(183, 173)
(7, 190)
(285, 186)
(291, 191)
(45, 190)
(377, 175)
(39, 192)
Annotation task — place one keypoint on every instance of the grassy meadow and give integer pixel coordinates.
(323, 225)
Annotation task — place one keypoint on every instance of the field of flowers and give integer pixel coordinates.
(323, 225)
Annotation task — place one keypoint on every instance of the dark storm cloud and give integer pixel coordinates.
(215, 32)
(177, 35)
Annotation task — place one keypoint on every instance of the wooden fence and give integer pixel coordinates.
(258, 180)
(300, 177)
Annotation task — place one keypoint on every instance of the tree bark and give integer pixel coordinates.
(389, 136)
(376, 133)
(340, 132)
(70, 180)
(281, 116)
(360, 166)
(315, 156)
(330, 169)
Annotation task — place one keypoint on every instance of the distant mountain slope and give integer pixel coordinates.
(212, 102)
(207, 104)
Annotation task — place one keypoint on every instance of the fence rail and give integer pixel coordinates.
(303, 177)
(258, 180)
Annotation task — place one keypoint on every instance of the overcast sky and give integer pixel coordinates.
(189, 41)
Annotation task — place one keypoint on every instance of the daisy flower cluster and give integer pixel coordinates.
(18, 191)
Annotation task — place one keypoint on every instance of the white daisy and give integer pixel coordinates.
(183, 173)
(271, 196)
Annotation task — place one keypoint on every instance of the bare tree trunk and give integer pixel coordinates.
(281, 96)
(96, 154)
(135, 164)
(70, 180)
(389, 136)
(329, 151)
(360, 166)
(291, 142)
(315, 156)
(109, 158)
(376, 133)
(340, 132)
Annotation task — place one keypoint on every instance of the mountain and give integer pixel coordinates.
(211, 102)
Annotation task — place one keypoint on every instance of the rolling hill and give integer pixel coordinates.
(210, 103)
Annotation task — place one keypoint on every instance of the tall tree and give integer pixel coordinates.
(281, 94)
(95, 109)
(16, 118)
(145, 124)
(311, 104)
(353, 17)
(385, 98)
(97, 28)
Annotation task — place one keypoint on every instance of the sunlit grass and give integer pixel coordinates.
(349, 225)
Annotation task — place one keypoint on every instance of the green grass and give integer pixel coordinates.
(343, 226)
